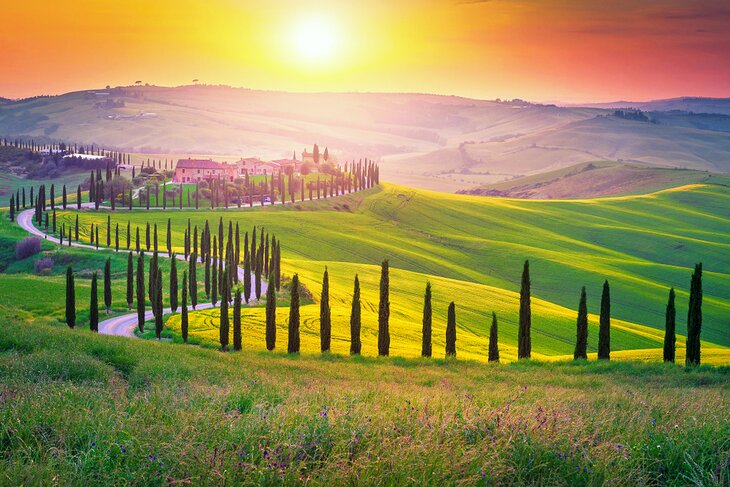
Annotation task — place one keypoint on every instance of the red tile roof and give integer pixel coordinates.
(198, 164)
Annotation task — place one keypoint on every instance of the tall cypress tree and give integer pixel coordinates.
(193, 264)
(237, 319)
(94, 305)
(384, 312)
(355, 320)
(451, 331)
(158, 305)
(294, 316)
(169, 239)
(108, 285)
(271, 314)
(184, 315)
(581, 339)
(173, 284)
(224, 323)
(278, 265)
(214, 276)
(247, 277)
(108, 231)
(493, 341)
(604, 330)
(70, 298)
(140, 292)
(524, 340)
(427, 323)
(694, 318)
(147, 236)
(325, 314)
(670, 323)
(130, 281)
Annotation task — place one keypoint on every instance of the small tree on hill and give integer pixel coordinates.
(173, 284)
(384, 311)
(108, 285)
(493, 342)
(237, 319)
(694, 318)
(427, 323)
(451, 331)
(355, 320)
(604, 331)
(140, 292)
(294, 316)
(184, 314)
(325, 322)
(581, 339)
(94, 305)
(70, 298)
(524, 340)
(271, 314)
(670, 324)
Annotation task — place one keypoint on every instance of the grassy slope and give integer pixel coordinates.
(643, 245)
(78, 408)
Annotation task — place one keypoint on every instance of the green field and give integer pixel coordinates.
(472, 249)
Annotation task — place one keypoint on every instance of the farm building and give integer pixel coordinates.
(193, 170)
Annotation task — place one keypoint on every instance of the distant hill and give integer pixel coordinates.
(431, 141)
(686, 104)
(600, 178)
(4, 100)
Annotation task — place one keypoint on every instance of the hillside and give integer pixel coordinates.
(472, 250)
(593, 179)
(437, 142)
(685, 104)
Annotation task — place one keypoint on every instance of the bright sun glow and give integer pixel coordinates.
(314, 38)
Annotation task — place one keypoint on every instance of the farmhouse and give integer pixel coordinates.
(193, 170)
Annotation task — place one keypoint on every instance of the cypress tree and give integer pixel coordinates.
(384, 312)
(12, 208)
(670, 338)
(154, 237)
(581, 339)
(694, 318)
(64, 197)
(76, 229)
(493, 343)
(237, 319)
(325, 314)
(158, 305)
(147, 236)
(169, 239)
(257, 274)
(78, 197)
(604, 330)
(129, 234)
(93, 305)
(271, 314)
(136, 240)
(116, 238)
(130, 281)
(184, 316)
(214, 276)
(108, 231)
(355, 320)
(247, 277)
(140, 292)
(70, 298)
(207, 276)
(524, 341)
(173, 284)
(278, 265)
(108, 285)
(225, 325)
(193, 264)
(294, 316)
(451, 331)
(427, 321)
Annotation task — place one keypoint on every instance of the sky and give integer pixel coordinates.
(539, 50)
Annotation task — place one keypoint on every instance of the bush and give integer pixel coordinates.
(43, 266)
(27, 247)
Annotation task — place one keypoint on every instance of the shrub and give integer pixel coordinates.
(43, 266)
(27, 247)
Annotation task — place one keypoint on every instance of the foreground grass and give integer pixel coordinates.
(80, 408)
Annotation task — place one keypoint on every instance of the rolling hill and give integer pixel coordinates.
(593, 179)
(429, 141)
(472, 250)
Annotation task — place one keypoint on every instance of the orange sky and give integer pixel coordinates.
(569, 50)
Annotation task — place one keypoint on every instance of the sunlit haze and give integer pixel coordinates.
(568, 50)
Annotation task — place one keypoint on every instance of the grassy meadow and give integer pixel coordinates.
(78, 408)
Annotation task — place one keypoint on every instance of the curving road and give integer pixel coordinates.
(123, 325)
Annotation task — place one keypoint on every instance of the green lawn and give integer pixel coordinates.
(472, 249)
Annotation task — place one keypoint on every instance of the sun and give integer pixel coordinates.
(314, 38)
